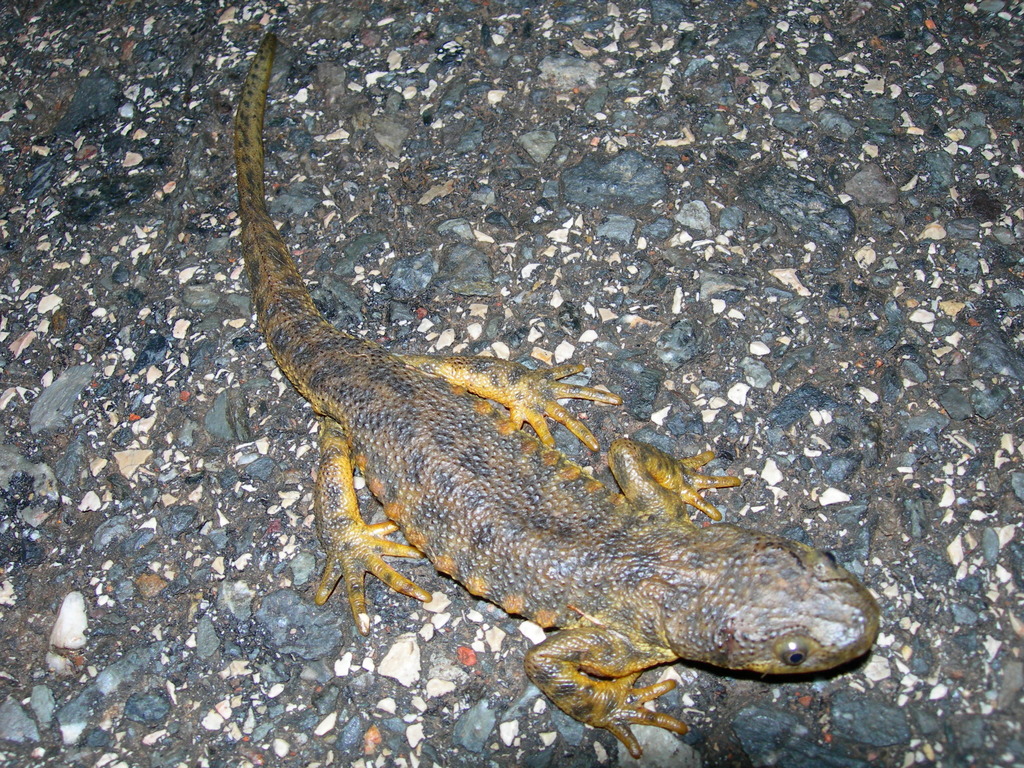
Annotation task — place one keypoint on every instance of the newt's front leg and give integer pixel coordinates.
(589, 673)
(353, 547)
(660, 485)
(529, 395)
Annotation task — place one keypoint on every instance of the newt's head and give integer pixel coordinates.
(772, 605)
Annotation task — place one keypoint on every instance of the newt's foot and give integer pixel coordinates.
(535, 394)
(660, 484)
(589, 672)
(529, 395)
(626, 708)
(689, 483)
(358, 549)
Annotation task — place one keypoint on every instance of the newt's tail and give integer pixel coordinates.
(277, 288)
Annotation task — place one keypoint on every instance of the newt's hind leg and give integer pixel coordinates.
(353, 547)
(661, 485)
(529, 395)
(589, 673)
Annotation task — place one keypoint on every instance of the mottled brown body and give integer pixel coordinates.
(631, 578)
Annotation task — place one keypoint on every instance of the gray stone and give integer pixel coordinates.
(695, 215)
(302, 567)
(870, 187)
(96, 97)
(149, 707)
(743, 34)
(987, 402)
(731, 218)
(772, 737)
(755, 373)
(54, 407)
(207, 641)
(810, 212)
(1017, 484)
(15, 724)
(468, 272)
(617, 227)
(627, 179)
(791, 122)
(293, 625)
(836, 125)
(957, 405)
(43, 703)
(236, 597)
(136, 661)
(390, 134)
(928, 422)
(295, 201)
(993, 353)
(869, 721)
(29, 489)
(679, 344)
(798, 404)
(538, 144)
(566, 73)
(411, 275)
(202, 298)
(111, 531)
(474, 726)
(228, 417)
(462, 229)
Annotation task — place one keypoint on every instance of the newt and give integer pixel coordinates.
(624, 579)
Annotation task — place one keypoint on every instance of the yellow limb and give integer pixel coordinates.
(353, 547)
(529, 395)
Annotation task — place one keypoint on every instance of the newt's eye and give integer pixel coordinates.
(792, 651)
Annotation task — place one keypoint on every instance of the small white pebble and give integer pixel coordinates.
(494, 636)
(868, 395)
(865, 256)
(758, 349)
(738, 393)
(564, 351)
(532, 632)
(414, 734)
(508, 732)
(933, 231)
(49, 303)
(438, 687)
(955, 550)
(402, 661)
(771, 474)
(833, 496)
(877, 668)
(326, 725)
(438, 602)
(213, 721)
(89, 503)
(938, 692)
(343, 665)
(72, 622)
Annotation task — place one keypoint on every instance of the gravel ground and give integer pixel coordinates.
(789, 233)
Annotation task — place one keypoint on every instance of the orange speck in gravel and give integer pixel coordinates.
(467, 656)
(371, 740)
